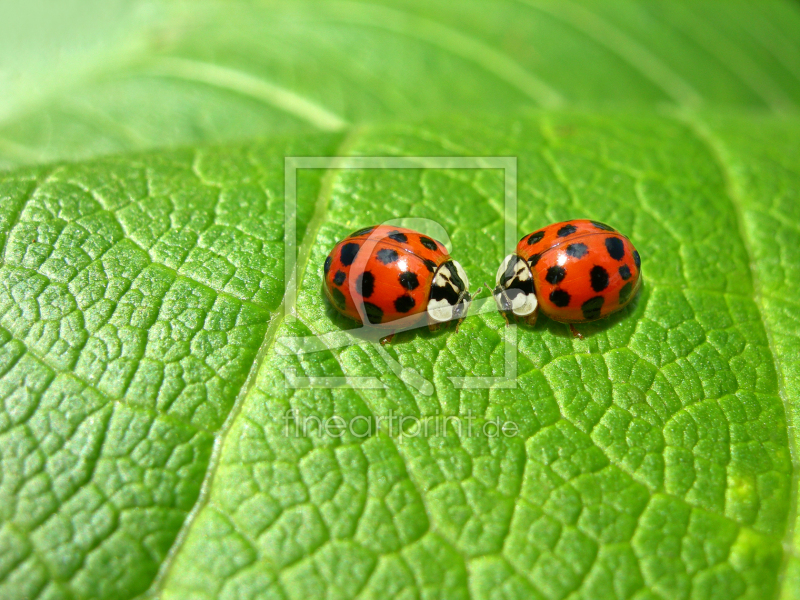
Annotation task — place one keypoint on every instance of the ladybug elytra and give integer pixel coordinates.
(380, 274)
(574, 271)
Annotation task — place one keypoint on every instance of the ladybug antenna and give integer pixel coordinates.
(478, 291)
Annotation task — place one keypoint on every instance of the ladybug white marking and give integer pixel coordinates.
(449, 298)
(514, 291)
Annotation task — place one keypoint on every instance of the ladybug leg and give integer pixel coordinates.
(387, 339)
(575, 333)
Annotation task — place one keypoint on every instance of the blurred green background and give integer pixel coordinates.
(85, 77)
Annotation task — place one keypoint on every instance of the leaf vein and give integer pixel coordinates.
(303, 252)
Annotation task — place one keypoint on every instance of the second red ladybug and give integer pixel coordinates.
(575, 271)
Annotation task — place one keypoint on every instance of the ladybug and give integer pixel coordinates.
(574, 272)
(379, 274)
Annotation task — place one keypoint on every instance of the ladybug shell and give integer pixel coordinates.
(389, 269)
(582, 270)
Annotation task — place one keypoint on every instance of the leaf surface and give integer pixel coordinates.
(142, 360)
(652, 457)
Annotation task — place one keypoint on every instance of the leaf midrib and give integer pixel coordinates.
(278, 318)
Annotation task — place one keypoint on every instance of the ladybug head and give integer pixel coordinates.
(514, 290)
(449, 298)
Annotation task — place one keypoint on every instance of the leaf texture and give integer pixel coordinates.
(143, 438)
(652, 461)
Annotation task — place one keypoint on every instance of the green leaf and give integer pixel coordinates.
(134, 295)
(106, 77)
(143, 439)
(652, 459)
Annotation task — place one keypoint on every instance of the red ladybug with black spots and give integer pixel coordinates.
(574, 272)
(380, 274)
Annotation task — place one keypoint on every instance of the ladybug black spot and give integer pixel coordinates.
(625, 272)
(615, 247)
(636, 259)
(398, 237)
(429, 264)
(599, 277)
(560, 298)
(404, 303)
(555, 274)
(327, 266)
(533, 260)
(348, 253)
(338, 279)
(566, 230)
(577, 250)
(387, 256)
(338, 298)
(428, 242)
(592, 307)
(602, 226)
(625, 293)
(360, 232)
(409, 280)
(536, 238)
(374, 313)
(365, 284)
